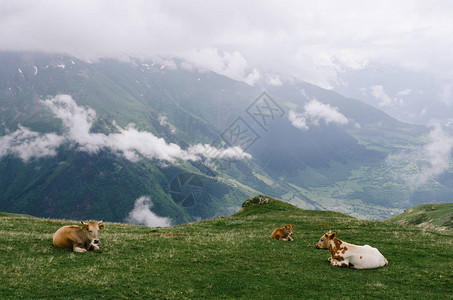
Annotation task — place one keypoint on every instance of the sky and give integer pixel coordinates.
(395, 55)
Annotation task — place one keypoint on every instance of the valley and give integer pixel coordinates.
(83, 139)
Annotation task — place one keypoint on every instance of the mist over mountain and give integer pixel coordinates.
(411, 96)
(155, 142)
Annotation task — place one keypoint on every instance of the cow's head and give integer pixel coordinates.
(91, 229)
(324, 241)
(289, 229)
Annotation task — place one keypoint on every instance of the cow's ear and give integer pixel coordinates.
(293, 226)
(85, 227)
(333, 235)
(101, 226)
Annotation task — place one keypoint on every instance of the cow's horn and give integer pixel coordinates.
(83, 223)
(101, 220)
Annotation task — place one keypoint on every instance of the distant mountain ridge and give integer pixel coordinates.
(324, 165)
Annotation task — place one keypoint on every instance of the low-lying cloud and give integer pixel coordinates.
(129, 142)
(425, 163)
(314, 113)
(27, 144)
(142, 214)
(378, 92)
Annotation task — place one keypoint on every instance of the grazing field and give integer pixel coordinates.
(231, 257)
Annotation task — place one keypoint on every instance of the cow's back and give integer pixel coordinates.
(368, 258)
(66, 237)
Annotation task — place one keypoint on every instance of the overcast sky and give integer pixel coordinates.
(316, 41)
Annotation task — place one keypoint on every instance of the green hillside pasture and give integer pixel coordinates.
(231, 257)
(434, 214)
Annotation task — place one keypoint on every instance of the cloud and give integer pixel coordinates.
(427, 162)
(163, 121)
(28, 144)
(142, 214)
(315, 41)
(314, 113)
(210, 152)
(298, 120)
(378, 92)
(405, 92)
(274, 80)
(446, 94)
(230, 64)
(317, 111)
(129, 142)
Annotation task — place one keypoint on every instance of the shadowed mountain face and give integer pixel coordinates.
(132, 129)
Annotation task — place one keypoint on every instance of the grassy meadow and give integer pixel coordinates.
(231, 257)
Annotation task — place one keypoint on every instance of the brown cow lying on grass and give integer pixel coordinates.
(78, 238)
(284, 233)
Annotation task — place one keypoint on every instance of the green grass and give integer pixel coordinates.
(434, 214)
(232, 257)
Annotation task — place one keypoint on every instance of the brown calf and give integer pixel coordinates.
(283, 234)
(78, 238)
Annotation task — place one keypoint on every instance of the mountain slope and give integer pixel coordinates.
(331, 165)
(435, 214)
(231, 257)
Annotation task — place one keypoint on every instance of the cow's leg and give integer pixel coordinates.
(283, 239)
(78, 249)
(336, 263)
(94, 246)
(290, 238)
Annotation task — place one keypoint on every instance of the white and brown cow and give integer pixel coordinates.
(79, 238)
(348, 255)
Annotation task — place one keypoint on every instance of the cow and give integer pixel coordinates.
(284, 233)
(350, 256)
(79, 238)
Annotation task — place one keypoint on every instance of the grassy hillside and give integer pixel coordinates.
(434, 214)
(231, 257)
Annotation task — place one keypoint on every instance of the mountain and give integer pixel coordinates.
(90, 139)
(230, 257)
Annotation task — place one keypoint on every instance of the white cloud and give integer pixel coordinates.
(163, 121)
(232, 65)
(317, 111)
(314, 41)
(378, 92)
(28, 144)
(210, 152)
(298, 120)
(405, 92)
(427, 162)
(314, 113)
(446, 94)
(274, 80)
(128, 142)
(142, 214)
(423, 111)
